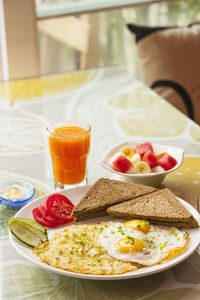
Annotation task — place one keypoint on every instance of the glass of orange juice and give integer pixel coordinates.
(69, 144)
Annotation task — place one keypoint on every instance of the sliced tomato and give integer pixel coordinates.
(47, 217)
(60, 208)
(40, 219)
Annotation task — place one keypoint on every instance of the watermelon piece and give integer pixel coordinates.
(151, 159)
(121, 164)
(167, 162)
(144, 148)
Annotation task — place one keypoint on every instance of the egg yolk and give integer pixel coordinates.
(140, 225)
(174, 252)
(129, 245)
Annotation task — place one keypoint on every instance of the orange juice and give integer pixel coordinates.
(69, 148)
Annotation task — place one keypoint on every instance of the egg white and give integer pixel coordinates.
(157, 243)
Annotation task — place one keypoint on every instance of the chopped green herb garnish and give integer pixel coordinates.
(121, 230)
(146, 222)
(131, 239)
(92, 265)
(173, 232)
(62, 242)
(74, 235)
(78, 242)
(60, 251)
(83, 234)
(164, 245)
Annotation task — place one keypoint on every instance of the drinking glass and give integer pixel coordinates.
(69, 144)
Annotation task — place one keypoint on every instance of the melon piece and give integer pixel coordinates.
(144, 148)
(167, 162)
(150, 158)
(120, 163)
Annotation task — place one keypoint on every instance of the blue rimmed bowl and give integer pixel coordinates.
(26, 194)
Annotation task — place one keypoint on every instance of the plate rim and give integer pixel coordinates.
(128, 275)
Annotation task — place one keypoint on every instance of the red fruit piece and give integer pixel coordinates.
(150, 158)
(144, 148)
(167, 162)
(121, 164)
(46, 215)
(60, 208)
(38, 216)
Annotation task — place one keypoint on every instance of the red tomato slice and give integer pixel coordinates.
(60, 208)
(40, 219)
(47, 217)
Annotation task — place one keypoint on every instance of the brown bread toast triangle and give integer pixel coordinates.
(106, 192)
(161, 207)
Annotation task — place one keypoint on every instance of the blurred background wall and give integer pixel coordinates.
(108, 40)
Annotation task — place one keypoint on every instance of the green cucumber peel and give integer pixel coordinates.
(24, 235)
(31, 222)
(31, 228)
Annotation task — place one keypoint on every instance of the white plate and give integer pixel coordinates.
(153, 178)
(74, 195)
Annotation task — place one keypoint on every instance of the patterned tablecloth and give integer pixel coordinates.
(118, 107)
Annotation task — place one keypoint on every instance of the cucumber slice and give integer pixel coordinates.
(43, 236)
(28, 231)
(30, 222)
(23, 234)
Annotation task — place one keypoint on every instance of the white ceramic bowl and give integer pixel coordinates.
(152, 179)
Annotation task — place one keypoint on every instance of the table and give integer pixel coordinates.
(118, 107)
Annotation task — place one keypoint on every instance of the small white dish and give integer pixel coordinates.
(24, 191)
(75, 194)
(152, 179)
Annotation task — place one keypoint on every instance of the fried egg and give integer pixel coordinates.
(111, 248)
(78, 249)
(138, 242)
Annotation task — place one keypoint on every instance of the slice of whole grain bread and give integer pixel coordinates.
(161, 207)
(180, 225)
(106, 192)
(91, 215)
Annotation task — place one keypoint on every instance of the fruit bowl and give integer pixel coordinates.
(153, 178)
